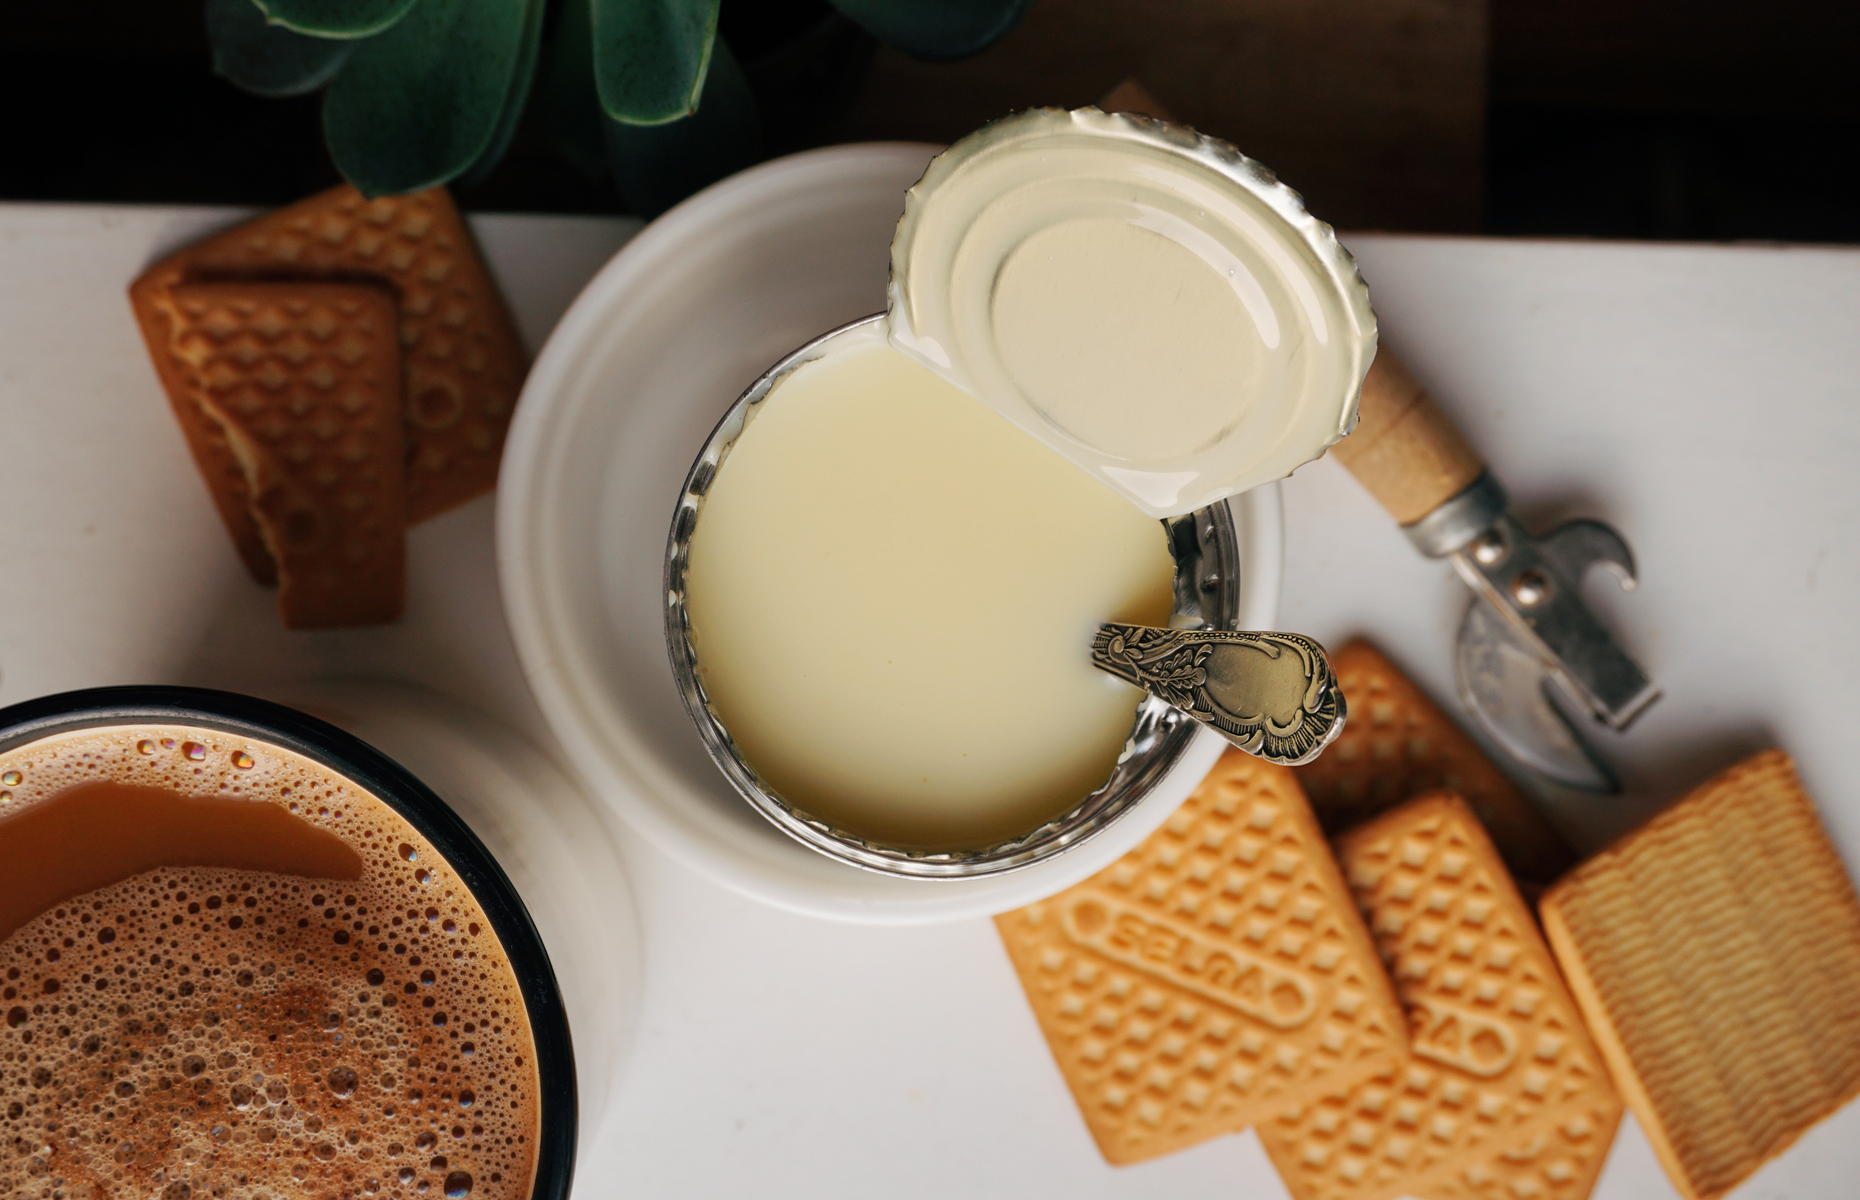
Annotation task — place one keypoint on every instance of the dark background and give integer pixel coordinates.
(1700, 120)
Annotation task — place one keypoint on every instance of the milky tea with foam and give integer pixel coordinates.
(228, 972)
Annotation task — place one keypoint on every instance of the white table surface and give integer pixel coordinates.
(1705, 400)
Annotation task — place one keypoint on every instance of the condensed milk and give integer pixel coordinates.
(891, 594)
(890, 561)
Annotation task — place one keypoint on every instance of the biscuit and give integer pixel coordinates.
(1501, 1094)
(1398, 745)
(1716, 954)
(462, 357)
(1211, 975)
(301, 382)
(225, 478)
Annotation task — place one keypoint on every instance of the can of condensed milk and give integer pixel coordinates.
(889, 558)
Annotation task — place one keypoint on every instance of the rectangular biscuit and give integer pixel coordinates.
(463, 359)
(153, 302)
(301, 381)
(1716, 953)
(1501, 1093)
(1211, 975)
(1399, 745)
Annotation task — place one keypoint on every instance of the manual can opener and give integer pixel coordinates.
(1529, 649)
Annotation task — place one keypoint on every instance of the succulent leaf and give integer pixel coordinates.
(335, 18)
(262, 58)
(651, 57)
(419, 103)
(527, 53)
(656, 166)
(935, 30)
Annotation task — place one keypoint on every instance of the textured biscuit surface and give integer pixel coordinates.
(153, 302)
(302, 382)
(1209, 976)
(463, 360)
(1502, 1094)
(1716, 954)
(1399, 745)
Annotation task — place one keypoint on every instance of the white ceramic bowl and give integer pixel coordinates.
(658, 345)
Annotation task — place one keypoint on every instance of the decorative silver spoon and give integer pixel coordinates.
(1274, 695)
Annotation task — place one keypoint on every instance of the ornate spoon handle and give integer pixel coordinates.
(1271, 694)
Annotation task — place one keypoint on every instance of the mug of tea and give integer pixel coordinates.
(242, 950)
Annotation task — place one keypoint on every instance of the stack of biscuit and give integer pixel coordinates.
(1386, 1014)
(1385, 1011)
(341, 369)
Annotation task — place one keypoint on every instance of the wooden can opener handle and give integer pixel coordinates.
(1404, 449)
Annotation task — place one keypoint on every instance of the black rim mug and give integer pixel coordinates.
(400, 790)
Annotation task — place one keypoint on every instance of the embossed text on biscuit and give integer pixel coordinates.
(1458, 1037)
(1261, 989)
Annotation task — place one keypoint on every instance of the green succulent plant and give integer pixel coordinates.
(423, 92)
